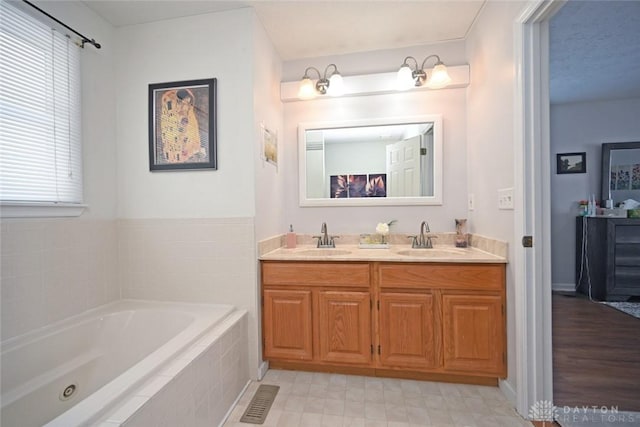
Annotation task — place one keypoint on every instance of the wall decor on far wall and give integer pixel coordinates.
(270, 146)
(182, 125)
(571, 163)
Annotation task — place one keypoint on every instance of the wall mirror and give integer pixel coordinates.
(375, 162)
(621, 171)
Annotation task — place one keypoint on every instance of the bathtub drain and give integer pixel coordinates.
(68, 392)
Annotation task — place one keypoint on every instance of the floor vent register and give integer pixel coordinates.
(259, 406)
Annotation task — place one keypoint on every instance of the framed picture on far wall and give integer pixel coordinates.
(571, 163)
(182, 125)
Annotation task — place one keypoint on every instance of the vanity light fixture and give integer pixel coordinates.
(332, 86)
(408, 77)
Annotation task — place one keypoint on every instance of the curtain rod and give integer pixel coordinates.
(84, 39)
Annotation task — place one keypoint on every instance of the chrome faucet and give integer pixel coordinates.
(324, 240)
(423, 240)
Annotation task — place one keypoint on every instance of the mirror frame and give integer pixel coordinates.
(607, 147)
(436, 199)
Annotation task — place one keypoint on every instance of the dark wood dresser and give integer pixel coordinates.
(608, 249)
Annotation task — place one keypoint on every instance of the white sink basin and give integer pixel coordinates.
(433, 252)
(323, 252)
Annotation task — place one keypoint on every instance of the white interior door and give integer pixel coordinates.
(532, 265)
(403, 168)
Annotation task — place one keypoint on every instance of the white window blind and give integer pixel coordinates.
(40, 148)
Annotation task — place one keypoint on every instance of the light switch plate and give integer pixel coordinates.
(471, 202)
(505, 199)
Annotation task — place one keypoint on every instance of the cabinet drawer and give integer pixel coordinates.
(628, 234)
(627, 254)
(627, 277)
(458, 276)
(316, 274)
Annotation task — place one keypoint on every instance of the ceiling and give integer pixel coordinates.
(311, 28)
(594, 45)
(595, 51)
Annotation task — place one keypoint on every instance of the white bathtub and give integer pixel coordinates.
(106, 354)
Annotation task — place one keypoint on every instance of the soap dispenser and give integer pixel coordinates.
(291, 238)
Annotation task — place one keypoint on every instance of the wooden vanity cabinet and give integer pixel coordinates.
(407, 330)
(287, 324)
(344, 327)
(454, 312)
(317, 312)
(392, 318)
(473, 334)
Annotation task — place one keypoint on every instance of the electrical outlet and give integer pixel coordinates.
(505, 199)
(471, 202)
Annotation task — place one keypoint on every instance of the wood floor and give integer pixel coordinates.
(596, 355)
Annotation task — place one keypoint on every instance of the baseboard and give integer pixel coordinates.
(387, 373)
(262, 370)
(507, 389)
(563, 287)
(233, 406)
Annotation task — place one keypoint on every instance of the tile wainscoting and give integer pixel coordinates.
(55, 268)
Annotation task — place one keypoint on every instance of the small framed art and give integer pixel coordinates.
(571, 163)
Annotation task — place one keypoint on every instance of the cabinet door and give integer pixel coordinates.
(473, 334)
(287, 326)
(344, 327)
(407, 330)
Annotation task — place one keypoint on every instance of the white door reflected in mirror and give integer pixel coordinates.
(392, 161)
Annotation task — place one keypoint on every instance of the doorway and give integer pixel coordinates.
(596, 348)
(533, 153)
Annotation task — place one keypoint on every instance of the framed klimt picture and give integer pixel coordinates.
(182, 125)
(571, 163)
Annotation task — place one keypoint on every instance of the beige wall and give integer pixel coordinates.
(270, 184)
(216, 45)
(450, 103)
(490, 136)
(191, 235)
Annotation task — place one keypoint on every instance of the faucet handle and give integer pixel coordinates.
(429, 243)
(332, 242)
(414, 241)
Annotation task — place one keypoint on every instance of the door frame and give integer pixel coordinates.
(534, 357)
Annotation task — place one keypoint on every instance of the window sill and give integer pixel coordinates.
(40, 210)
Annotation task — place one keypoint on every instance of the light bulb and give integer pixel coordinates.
(404, 79)
(336, 85)
(439, 77)
(306, 90)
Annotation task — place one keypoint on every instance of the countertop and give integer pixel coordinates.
(395, 253)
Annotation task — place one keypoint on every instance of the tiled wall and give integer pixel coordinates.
(52, 269)
(192, 260)
(208, 260)
(198, 388)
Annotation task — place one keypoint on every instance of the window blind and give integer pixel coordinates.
(40, 147)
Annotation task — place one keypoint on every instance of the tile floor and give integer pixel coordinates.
(308, 399)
